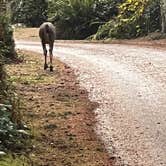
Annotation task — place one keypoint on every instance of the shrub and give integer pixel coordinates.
(135, 18)
(11, 138)
(78, 19)
(104, 30)
(129, 21)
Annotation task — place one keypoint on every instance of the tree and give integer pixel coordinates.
(163, 15)
(31, 12)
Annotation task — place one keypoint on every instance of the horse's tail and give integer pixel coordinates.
(47, 28)
(48, 31)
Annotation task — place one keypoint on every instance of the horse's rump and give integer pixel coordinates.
(47, 32)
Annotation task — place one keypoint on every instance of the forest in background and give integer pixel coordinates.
(94, 19)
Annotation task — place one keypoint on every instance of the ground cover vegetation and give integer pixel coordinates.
(12, 130)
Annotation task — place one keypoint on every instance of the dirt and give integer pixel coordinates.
(26, 34)
(59, 113)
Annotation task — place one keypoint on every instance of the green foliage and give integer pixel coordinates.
(128, 22)
(11, 138)
(106, 9)
(103, 31)
(78, 19)
(152, 16)
(9, 160)
(10, 119)
(135, 18)
(31, 12)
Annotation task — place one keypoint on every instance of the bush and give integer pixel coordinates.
(78, 19)
(75, 17)
(104, 31)
(129, 21)
(10, 118)
(135, 18)
(153, 16)
(11, 138)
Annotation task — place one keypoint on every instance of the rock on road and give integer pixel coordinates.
(129, 83)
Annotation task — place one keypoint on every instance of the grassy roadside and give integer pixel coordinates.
(59, 113)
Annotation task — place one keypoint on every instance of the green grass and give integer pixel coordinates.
(38, 78)
(13, 161)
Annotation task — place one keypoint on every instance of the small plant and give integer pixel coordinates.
(11, 137)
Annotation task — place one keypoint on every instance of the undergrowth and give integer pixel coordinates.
(14, 138)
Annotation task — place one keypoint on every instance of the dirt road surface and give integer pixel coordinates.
(129, 83)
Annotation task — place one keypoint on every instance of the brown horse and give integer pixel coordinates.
(47, 36)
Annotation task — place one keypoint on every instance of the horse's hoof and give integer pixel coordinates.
(45, 66)
(51, 68)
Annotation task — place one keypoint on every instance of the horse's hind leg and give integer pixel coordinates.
(51, 45)
(45, 55)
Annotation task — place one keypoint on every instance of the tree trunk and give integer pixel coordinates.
(163, 15)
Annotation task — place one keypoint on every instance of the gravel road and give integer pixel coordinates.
(129, 83)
